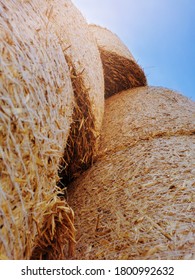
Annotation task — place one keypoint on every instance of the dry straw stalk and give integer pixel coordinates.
(81, 148)
(137, 201)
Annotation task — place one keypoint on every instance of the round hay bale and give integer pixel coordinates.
(109, 41)
(36, 104)
(85, 65)
(121, 71)
(137, 201)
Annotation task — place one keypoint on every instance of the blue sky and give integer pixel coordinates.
(159, 33)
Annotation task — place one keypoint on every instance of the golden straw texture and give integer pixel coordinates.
(67, 22)
(36, 104)
(137, 201)
(109, 41)
(85, 65)
(121, 71)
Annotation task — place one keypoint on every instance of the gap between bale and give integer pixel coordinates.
(120, 73)
(57, 234)
(81, 147)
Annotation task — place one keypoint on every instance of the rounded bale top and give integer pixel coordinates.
(146, 112)
(109, 41)
(121, 71)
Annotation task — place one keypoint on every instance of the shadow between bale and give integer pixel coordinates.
(57, 236)
(56, 239)
(120, 73)
(81, 147)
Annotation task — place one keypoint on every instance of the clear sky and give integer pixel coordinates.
(159, 33)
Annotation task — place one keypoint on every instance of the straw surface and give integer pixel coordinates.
(65, 20)
(137, 201)
(88, 82)
(56, 239)
(36, 104)
(121, 71)
(109, 41)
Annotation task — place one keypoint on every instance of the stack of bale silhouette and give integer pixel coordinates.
(137, 201)
(51, 107)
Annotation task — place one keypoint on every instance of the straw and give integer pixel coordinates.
(85, 66)
(121, 71)
(137, 201)
(36, 103)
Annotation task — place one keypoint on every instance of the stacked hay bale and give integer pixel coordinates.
(36, 107)
(48, 83)
(137, 201)
(121, 71)
(88, 83)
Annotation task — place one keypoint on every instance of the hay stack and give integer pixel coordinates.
(121, 71)
(87, 78)
(36, 103)
(137, 201)
(50, 77)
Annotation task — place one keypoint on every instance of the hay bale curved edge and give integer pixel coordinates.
(36, 104)
(85, 65)
(137, 201)
(107, 40)
(121, 71)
